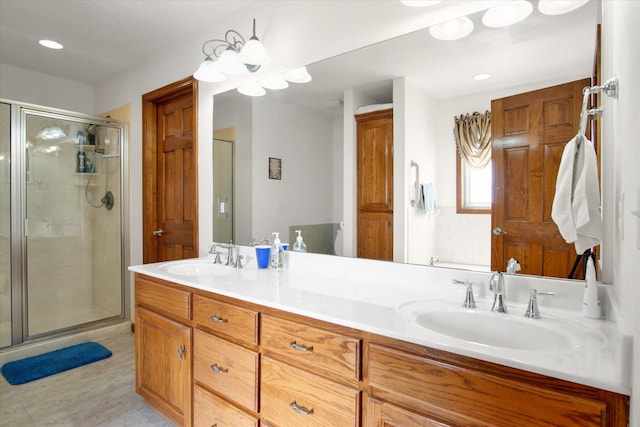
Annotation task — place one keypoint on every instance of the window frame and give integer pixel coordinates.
(461, 206)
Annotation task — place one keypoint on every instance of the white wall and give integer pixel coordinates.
(304, 143)
(30, 87)
(237, 112)
(419, 111)
(621, 180)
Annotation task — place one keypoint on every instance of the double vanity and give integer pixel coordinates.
(332, 341)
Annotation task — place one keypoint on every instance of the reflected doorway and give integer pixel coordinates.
(223, 183)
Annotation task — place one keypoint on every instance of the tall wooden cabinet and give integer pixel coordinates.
(375, 184)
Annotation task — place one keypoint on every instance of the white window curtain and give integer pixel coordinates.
(473, 138)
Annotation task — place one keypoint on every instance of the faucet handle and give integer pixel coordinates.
(532, 307)
(469, 301)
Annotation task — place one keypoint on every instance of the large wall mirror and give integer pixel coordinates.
(310, 127)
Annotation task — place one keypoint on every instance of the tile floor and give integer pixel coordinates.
(98, 394)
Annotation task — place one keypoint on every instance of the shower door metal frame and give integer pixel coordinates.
(19, 227)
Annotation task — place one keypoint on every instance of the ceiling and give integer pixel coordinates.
(101, 38)
(105, 37)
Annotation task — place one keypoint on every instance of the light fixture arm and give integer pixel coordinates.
(215, 47)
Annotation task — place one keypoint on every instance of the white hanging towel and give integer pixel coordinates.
(576, 205)
(429, 200)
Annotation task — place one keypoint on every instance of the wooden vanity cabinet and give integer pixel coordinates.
(442, 389)
(206, 359)
(163, 347)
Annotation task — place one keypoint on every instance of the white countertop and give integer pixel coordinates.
(380, 297)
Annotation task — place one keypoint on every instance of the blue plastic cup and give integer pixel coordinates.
(263, 254)
(285, 246)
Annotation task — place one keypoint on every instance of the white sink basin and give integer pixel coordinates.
(198, 268)
(495, 330)
(481, 327)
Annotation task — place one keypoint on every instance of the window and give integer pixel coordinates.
(474, 187)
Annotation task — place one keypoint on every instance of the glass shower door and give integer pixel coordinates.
(73, 232)
(5, 225)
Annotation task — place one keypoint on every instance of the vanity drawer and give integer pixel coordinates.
(210, 410)
(163, 299)
(227, 368)
(317, 401)
(310, 346)
(466, 397)
(226, 319)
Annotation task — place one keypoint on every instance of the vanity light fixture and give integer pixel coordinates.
(51, 44)
(275, 82)
(234, 55)
(507, 14)
(298, 75)
(252, 88)
(559, 7)
(453, 29)
(419, 3)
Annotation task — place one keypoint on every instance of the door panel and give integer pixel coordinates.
(529, 133)
(170, 221)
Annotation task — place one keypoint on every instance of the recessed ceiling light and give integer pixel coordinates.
(452, 30)
(507, 14)
(419, 3)
(481, 76)
(558, 7)
(50, 44)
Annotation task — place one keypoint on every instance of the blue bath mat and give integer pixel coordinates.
(36, 367)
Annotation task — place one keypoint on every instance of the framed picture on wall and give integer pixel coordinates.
(275, 168)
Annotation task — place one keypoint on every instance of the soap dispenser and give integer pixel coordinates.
(591, 303)
(299, 245)
(277, 254)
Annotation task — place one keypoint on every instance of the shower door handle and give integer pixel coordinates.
(159, 232)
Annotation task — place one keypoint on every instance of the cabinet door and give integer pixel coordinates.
(382, 414)
(163, 364)
(375, 235)
(375, 161)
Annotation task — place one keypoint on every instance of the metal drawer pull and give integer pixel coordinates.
(218, 319)
(218, 369)
(300, 409)
(299, 347)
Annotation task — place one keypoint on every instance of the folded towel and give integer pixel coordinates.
(576, 205)
(428, 196)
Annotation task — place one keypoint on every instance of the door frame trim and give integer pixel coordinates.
(150, 103)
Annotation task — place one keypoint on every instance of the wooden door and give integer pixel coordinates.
(529, 133)
(170, 191)
(375, 185)
(163, 364)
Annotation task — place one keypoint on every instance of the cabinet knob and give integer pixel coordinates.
(181, 351)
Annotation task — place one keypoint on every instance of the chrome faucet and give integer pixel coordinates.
(469, 302)
(496, 284)
(255, 242)
(513, 266)
(532, 307)
(230, 249)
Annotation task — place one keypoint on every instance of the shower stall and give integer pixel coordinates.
(61, 222)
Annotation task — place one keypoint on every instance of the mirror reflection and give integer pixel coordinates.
(428, 82)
